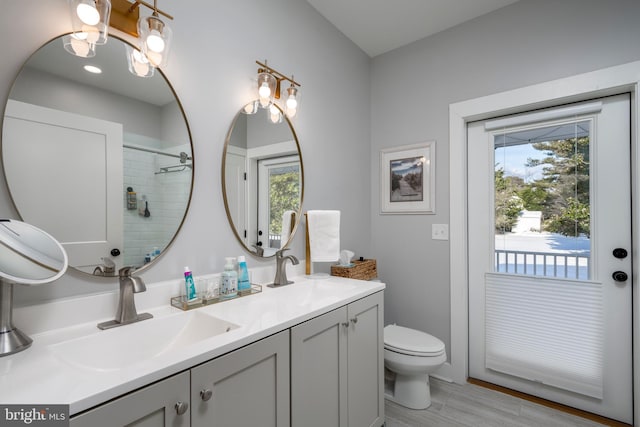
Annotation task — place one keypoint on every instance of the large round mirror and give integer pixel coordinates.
(262, 179)
(102, 161)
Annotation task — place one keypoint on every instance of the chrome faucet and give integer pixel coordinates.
(108, 268)
(281, 268)
(259, 250)
(126, 314)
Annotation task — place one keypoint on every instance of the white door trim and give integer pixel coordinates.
(608, 81)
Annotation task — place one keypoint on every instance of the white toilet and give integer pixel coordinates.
(411, 355)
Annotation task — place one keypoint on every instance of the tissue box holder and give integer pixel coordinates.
(362, 270)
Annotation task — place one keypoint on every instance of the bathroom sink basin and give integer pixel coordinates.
(312, 293)
(129, 345)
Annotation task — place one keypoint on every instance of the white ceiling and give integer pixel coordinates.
(378, 26)
(116, 78)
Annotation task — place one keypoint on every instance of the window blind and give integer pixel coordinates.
(546, 330)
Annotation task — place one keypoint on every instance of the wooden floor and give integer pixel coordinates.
(472, 405)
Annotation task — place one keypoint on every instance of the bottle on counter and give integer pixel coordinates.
(229, 280)
(190, 286)
(244, 284)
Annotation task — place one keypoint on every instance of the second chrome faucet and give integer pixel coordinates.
(281, 268)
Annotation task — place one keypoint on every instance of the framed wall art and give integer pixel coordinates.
(407, 179)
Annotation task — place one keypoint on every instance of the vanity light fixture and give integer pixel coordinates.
(78, 46)
(251, 107)
(291, 105)
(90, 22)
(269, 81)
(138, 63)
(154, 34)
(267, 85)
(274, 114)
(155, 38)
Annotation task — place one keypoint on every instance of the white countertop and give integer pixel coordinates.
(38, 375)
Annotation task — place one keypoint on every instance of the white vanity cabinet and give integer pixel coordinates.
(165, 403)
(337, 367)
(247, 387)
(307, 371)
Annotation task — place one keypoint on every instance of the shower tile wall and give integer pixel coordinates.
(166, 195)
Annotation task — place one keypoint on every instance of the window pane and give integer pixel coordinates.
(284, 195)
(542, 208)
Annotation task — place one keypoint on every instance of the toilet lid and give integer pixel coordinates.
(406, 340)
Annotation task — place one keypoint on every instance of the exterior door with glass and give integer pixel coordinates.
(279, 184)
(550, 307)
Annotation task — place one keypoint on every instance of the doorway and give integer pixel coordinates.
(549, 305)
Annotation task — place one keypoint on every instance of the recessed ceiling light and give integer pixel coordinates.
(92, 69)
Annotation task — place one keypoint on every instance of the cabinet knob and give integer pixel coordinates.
(354, 320)
(181, 407)
(345, 324)
(206, 394)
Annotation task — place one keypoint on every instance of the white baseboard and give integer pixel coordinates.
(444, 373)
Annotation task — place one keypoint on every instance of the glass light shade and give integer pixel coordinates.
(155, 39)
(275, 115)
(90, 19)
(78, 46)
(250, 108)
(291, 104)
(138, 63)
(266, 89)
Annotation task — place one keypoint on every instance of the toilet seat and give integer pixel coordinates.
(412, 342)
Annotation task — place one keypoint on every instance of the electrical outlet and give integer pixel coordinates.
(440, 231)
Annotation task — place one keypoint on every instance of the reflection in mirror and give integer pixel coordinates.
(102, 162)
(262, 178)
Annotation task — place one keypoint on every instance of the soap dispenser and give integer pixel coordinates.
(229, 282)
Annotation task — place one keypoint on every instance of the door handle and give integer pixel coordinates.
(620, 276)
(620, 253)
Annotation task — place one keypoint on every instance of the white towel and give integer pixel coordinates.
(285, 232)
(324, 235)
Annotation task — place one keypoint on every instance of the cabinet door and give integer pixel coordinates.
(247, 387)
(152, 406)
(318, 371)
(366, 362)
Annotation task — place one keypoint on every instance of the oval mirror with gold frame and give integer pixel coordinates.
(262, 179)
(102, 161)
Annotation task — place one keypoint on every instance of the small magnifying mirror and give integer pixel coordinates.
(28, 256)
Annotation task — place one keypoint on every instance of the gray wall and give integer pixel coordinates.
(351, 108)
(211, 71)
(529, 42)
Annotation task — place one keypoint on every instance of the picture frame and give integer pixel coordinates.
(407, 179)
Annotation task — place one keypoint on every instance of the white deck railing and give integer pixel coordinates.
(550, 264)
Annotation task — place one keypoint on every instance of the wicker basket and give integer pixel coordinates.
(363, 270)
